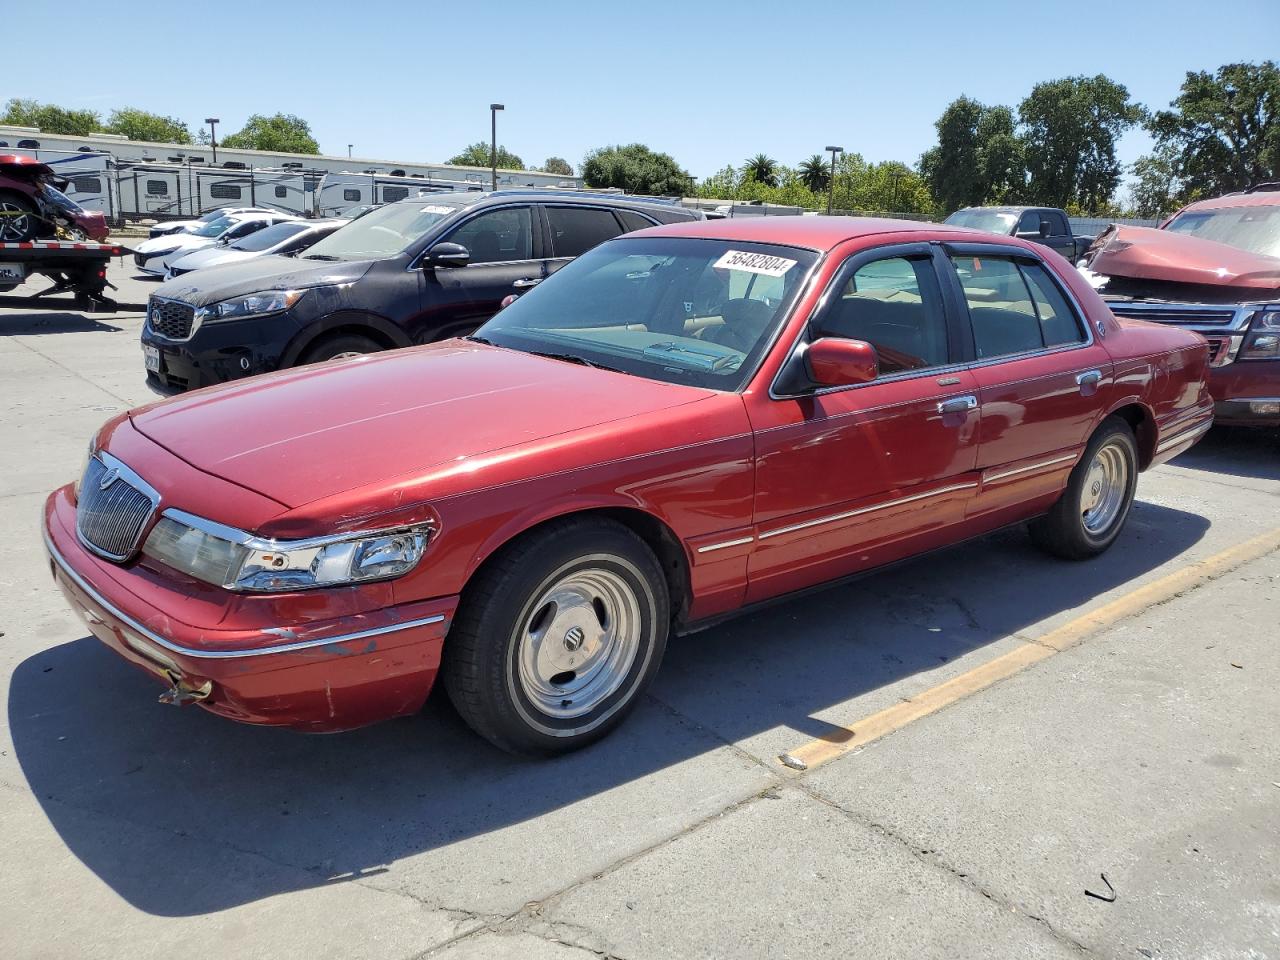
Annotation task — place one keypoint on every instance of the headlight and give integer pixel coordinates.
(254, 305)
(1263, 340)
(84, 464)
(236, 560)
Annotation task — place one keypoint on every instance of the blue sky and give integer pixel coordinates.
(710, 83)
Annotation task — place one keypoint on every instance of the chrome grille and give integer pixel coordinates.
(1175, 314)
(114, 507)
(170, 318)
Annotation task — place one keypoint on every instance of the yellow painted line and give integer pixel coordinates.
(843, 739)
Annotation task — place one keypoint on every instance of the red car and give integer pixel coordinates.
(679, 424)
(32, 207)
(1214, 267)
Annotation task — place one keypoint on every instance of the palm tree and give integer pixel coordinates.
(815, 174)
(762, 169)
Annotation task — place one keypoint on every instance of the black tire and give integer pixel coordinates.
(491, 641)
(21, 220)
(1068, 530)
(341, 345)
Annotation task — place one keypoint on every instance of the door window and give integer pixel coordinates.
(575, 230)
(633, 221)
(1005, 315)
(224, 191)
(1057, 224)
(896, 306)
(1030, 223)
(498, 236)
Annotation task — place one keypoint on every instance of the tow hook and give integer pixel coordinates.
(183, 693)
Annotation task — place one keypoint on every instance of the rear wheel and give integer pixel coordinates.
(558, 637)
(341, 347)
(19, 221)
(1092, 511)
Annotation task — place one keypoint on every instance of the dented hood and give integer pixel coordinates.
(1145, 253)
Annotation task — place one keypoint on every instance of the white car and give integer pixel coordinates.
(188, 226)
(153, 256)
(282, 239)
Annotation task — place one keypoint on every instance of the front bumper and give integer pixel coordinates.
(320, 676)
(218, 352)
(152, 264)
(1247, 392)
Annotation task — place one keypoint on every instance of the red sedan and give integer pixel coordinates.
(681, 423)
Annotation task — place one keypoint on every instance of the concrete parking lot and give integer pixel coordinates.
(974, 739)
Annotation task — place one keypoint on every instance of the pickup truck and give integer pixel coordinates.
(1045, 225)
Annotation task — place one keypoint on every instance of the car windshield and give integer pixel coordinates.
(213, 215)
(1256, 229)
(992, 221)
(61, 200)
(383, 232)
(267, 237)
(680, 310)
(215, 228)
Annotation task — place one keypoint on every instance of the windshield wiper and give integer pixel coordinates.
(474, 339)
(574, 358)
(320, 256)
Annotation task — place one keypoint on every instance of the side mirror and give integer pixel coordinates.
(1044, 229)
(447, 255)
(836, 362)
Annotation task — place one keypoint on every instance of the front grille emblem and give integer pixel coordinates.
(108, 478)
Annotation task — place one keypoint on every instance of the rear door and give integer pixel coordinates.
(505, 248)
(1038, 369)
(573, 230)
(851, 477)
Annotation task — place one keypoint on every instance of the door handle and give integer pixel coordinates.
(1090, 378)
(527, 282)
(958, 404)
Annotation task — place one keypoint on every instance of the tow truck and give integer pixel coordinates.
(44, 233)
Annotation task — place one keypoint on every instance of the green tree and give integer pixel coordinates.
(978, 158)
(1069, 132)
(281, 133)
(1157, 188)
(557, 165)
(50, 118)
(1223, 131)
(762, 169)
(815, 174)
(478, 155)
(636, 169)
(140, 125)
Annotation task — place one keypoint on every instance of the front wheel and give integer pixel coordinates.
(1092, 510)
(19, 221)
(558, 637)
(342, 347)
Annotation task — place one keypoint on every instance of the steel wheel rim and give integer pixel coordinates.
(13, 221)
(347, 355)
(1105, 487)
(579, 643)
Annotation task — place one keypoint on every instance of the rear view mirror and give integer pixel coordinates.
(837, 362)
(447, 255)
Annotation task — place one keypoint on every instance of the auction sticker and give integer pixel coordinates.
(438, 209)
(760, 263)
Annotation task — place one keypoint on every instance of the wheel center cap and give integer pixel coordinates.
(574, 639)
(1097, 487)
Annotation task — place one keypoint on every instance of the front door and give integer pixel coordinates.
(504, 260)
(1037, 368)
(852, 477)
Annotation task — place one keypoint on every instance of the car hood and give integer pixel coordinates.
(302, 435)
(224, 280)
(211, 256)
(1144, 253)
(174, 241)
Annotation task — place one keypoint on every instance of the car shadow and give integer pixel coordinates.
(106, 763)
(43, 324)
(1238, 451)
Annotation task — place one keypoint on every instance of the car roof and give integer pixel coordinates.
(470, 198)
(1261, 198)
(815, 233)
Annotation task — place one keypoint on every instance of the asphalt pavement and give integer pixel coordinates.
(988, 732)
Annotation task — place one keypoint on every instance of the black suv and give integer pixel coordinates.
(409, 272)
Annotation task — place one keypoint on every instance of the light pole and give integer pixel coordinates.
(831, 190)
(349, 146)
(213, 135)
(493, 140)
